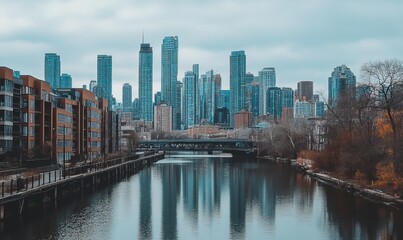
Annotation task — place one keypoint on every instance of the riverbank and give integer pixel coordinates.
(373, 195)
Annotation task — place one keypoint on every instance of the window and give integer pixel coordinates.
(31, 118)
(6, 130)
(31, 131)
(60, 131)
(69, 108)
(25, 131)
(25, 117)
(6, 115)
(32, 104)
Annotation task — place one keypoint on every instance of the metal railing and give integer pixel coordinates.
(21, 184)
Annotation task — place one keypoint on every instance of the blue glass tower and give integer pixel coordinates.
(189, 100)
(237, 81)
(66, 81)
(52, 69)
(267, 79)
(341, 84)
(274, 105)
(104, 78)
(169, 75)
(146, 81)
(127, 97)
(287, 97)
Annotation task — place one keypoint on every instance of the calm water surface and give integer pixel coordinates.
(213, 197)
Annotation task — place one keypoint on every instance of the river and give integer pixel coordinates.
(188, 196)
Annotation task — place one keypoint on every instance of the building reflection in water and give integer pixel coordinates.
(170, 177)
(213, 198)
(145, 214)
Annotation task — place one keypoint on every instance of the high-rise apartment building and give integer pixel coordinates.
(127, 97)
(66, 81)
(93, 83)
(287, 97)
(169, 75)
(341, 84)
(52, 69)
(195, 69)
(237, 81)
(305, 90)
(157, 98)
(104, 78)
(189, 100)
(267, 79)
(163, 118)
(146, 81)
(274, 102)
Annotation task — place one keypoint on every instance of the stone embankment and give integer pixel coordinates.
(374, 195)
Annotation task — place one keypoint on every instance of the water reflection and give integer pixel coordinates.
(213, 198)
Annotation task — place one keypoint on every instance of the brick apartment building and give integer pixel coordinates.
(38, 123)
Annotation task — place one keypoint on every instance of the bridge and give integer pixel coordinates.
(234, 146)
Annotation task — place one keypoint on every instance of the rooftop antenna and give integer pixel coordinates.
(142, 37)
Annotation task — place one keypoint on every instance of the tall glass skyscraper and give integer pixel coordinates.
(341, 84)
(146, 81)
(195, 68)
(237, 81)
(52, 69)
(104, 78)
(274, 105)
(127, 97)
(267, 79)
(169, 75)
(66, 81)
(189, 100)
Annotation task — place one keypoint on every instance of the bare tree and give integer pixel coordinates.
(386, 80)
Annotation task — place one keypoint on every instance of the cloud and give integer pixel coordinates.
(304, 40)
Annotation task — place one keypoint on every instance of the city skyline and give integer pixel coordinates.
(290, 42)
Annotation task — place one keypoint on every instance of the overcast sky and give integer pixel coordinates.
(303, 40)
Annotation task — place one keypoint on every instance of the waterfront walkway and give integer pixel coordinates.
(19, 185)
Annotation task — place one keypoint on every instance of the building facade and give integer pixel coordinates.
(305, 90)
(66, 81)
(104, 78)
(189, 100)
(146, 81)
(52, 69)
(274, 102)
(163, 118)
(127, 99)
(53, 125)
(342, 84)
(169, 75)
(237, 81)
(267, 79)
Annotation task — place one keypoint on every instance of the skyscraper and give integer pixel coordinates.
(104, 78)
(93, 83)
(287, 98)
(305, 90)
(52, 69)
(237, 80)
(146, 81)
(189, 100)
(341, 84)
(169, 75)
(157, 98)
(127, 97)
(195, 69)
(66, 81)
(267, 79)
(274, 103)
